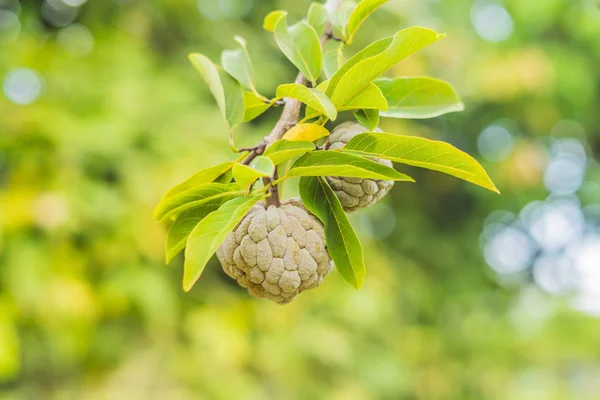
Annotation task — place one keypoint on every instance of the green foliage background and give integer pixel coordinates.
(89, 311)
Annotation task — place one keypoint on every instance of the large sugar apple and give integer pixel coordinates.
(277, 252)
(355, 193)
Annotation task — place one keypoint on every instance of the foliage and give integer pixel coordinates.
(354, 86)
(88, 309)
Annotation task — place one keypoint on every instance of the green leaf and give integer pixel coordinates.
(419, 97)
(301, 45)
(237, 63)
(208, 235)
(271, 20)
(370, 98)
(317, 17)
(283, 150)
(193, 197)
(199, 178)
(313, 98)
(225, 178)
(420, 152)
(308, 132)
(332, 61)
(335, 163)
(373, 61)
(359, 15)
(340, 18)
(254, 106)
(185, 223)
(227, 91)
(246, 175)
(368, 118)
(342, 243)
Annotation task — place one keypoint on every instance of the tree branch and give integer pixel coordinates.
(290, 114)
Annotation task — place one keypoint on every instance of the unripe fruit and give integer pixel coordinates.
(277, 252)
(355, 193)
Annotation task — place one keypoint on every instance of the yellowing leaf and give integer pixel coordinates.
(313, 98)
(359, 15)
(342, 243)
(284, 150)
(227, 91)
(420, 152)
(334, 163)
(253, 106)
(418, 97)
(308, 132)
(208, 235)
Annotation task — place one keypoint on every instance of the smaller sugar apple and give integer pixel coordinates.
(355, 193)
(277, 252)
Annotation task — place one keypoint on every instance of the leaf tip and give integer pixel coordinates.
(440, 36)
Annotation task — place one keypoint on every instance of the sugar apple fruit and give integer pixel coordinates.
(277, 252)
(355, 193)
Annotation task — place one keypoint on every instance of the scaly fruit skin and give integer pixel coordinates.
(277, 252)
(355, 193)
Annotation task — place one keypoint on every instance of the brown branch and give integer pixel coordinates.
(290, 114)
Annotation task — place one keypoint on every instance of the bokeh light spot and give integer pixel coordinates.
(225, 9)
(492, 22)
(22, 86)
(510, 250)
(495, 143)
(10, 27)
(76, 39)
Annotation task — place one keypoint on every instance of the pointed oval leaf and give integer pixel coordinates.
(199, 178)
(332, 61)
(238, 64)
(317, 17)
(342, 243)
(313, 98)
(308, 132)
(335, 163)
(341, 16)
(283, 150)
(246, 175)
(227, 91)
(264, 165)
(418, 97)
(301, 45)
(271, 20)
(371, 50)
(208, 235)
(368, 118)
(420, 152)
(360, 14)
(370, 98)
(364, 71)
(253, 106)
(193, 197)
(185, 223)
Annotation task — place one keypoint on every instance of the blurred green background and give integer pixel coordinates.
(468, 295)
